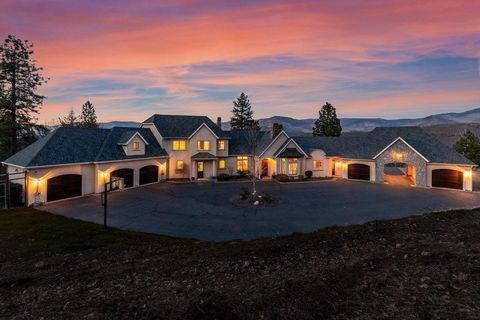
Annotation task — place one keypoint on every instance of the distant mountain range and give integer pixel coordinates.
(304, 126)
(446, 127)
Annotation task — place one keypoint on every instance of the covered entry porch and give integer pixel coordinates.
(204, 166)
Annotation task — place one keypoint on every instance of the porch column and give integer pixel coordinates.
(215, 168)
(193, 165)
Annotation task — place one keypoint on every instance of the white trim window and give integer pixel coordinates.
(242, 164)
(222, 164)
(292, 167)
(179, 166)
(203, 145)
(317, 165)
(136, 146)
(179, 145)
(221, 145)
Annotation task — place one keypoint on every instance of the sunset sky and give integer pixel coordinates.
(368, 58)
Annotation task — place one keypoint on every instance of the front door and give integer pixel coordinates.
(334, 164)
(264, 168)
(199, 169)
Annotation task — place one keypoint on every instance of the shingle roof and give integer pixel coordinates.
(290, 153)
(80, 145)
(203, 156)
(367, 147)
(431, 148)
(241, 142)
(127, 135)
(178, 126)
(111, 151)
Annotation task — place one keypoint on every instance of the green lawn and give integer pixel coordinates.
(421, 267)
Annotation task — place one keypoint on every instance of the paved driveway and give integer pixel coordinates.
(204, 211)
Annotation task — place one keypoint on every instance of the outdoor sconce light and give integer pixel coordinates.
(162, 169)
(345, 165)
(467, 174)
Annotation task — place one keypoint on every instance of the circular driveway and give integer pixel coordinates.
(203, 211)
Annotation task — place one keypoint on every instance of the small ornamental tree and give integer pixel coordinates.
(327, 123)
(88, 118)
(242, 118)
(70, 120)
(469, 146)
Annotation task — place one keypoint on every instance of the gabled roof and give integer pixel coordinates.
(203, 156)
(179, 126)
(290, 153)
(428, 146)
(127, 136)
(82, 145)
(369, 146)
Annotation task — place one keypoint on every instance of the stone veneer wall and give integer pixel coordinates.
(409, 157)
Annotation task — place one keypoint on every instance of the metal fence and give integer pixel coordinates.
(13, 190)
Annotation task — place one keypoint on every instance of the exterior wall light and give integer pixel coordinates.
(162, 169)
(467, 174)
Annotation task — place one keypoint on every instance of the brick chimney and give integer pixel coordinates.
(219, 122)
(276, 129)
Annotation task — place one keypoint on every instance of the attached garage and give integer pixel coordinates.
(358, 171)
(447, 178)
(64, 186)
(125, 174)
(148, 174)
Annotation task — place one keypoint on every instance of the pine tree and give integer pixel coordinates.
(242, 118)
(88, 118)
(19, 80)
(70, 120)
(469, 146)
(327, 123)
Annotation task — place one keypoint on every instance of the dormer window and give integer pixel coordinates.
(136, 146)
(203, 145)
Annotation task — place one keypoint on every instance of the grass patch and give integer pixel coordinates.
(419, 267)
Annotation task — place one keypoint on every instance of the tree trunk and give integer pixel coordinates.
(13, 109)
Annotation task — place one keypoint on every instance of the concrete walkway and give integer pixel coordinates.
(205, 211)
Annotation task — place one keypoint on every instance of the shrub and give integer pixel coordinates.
(242, 173)
(282, 177)
(267, 198)
(244, 193)
(308, 174)
(224, 177)
(301, 177)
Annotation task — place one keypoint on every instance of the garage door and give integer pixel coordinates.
(63, 187)
(446, 178)
(125, 174)
(358, 171)
(148, 174)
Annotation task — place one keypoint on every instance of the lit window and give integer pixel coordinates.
(179, 165)
(317, 164)
(221, 164)
(292, 166)
(221, 144)
(283, 166)
(242, 164)
(136, 146)
(203, 145)
(179, 145)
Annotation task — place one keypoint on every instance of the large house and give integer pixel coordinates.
(71, 162)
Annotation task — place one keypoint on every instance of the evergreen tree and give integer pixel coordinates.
(327, 123)
(19, 80)
(242, 118)
(88, 118)
(70, 120)
(469, 146)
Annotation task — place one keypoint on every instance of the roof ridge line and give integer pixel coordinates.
(48, 137)
(103, 144)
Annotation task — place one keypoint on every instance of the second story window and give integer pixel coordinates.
(203, 145)
(136, 146)
(179, 145)
(221, 145)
